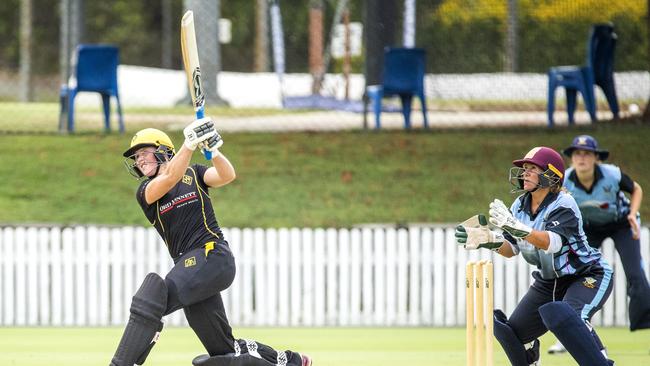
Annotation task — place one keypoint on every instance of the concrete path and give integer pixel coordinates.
(340, 121)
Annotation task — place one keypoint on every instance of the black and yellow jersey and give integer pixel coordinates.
(184, 216)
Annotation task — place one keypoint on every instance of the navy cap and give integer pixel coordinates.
(587, 143)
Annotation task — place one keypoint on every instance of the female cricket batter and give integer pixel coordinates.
(599, 188)
(572, 282)
(174, 198)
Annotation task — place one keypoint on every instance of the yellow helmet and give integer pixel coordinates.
(149, 137)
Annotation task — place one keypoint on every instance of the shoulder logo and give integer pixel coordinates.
(187, 179)
(554, 223)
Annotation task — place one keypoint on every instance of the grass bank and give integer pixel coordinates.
(299, 179)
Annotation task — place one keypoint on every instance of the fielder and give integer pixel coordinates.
(572, 282)
(599, 188)
(174, 198)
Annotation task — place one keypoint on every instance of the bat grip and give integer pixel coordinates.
(200, 113)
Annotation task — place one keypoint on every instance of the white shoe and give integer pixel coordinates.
(557, 348)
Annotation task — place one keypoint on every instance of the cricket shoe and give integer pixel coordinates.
(557, 348)
(306, 360)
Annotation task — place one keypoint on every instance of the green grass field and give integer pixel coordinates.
(328, 346)
(299, 179)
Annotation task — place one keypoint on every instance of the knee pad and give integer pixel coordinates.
(150, 301)
(144, 326)
(561, 319)
(517, 352)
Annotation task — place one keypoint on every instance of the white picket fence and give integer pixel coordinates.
(86, 276)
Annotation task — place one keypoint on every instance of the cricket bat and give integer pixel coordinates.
(192, 67)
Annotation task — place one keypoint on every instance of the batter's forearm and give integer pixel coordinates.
(170, 175)
(178, 165)
(223, 166)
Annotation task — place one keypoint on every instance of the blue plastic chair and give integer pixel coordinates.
(598, 71)
(403, 76)
(95, 71)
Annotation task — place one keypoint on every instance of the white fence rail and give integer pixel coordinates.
(86, 276)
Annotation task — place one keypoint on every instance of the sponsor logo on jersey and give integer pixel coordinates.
(189, 262)
(187, 180)
(589, 282)
(176, 201)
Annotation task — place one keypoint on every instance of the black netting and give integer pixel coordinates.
(482, 56)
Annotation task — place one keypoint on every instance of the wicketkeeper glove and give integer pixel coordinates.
(501, 217)
(474, 233)
(212, 144)
(198, 131)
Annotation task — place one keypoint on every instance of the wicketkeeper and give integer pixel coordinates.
(174, 198)
(572, 282)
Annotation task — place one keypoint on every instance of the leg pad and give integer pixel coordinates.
(144, 326)
(517, 353)
(561, 319)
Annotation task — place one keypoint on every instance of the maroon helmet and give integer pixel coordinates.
(549, 160)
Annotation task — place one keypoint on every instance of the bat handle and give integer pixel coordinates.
(200, 113)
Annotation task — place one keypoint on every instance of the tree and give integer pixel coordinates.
(316, 44)
(25, 50)
(261, 36)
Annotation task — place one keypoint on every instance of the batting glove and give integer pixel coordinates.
(212, 144)
(474, 233)
(501, 217)
(198, 131)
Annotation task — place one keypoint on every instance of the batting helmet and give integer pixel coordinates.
(549, 160)
(145, 138)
